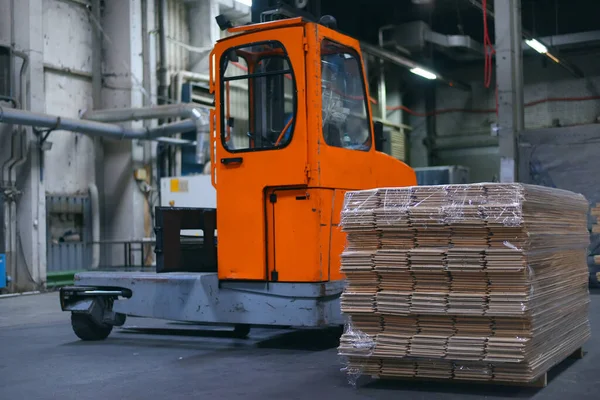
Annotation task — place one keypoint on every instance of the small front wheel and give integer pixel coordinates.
(87, 329)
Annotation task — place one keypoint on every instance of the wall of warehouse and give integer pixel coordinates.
(56, 35)
(70, 165)
(465, 138)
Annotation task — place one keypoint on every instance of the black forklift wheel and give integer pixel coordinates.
(87, 329)
(241, 331)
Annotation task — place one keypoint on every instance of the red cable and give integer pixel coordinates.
(488, 49)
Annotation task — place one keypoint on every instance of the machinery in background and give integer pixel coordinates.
(283, 155)
(443, 175)
(192, 191)
(188, 191)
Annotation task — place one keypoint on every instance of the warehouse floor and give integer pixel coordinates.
(40, 358)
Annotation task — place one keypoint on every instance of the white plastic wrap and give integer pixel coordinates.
(467, 280)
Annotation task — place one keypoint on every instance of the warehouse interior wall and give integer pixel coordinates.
(69, 165)
(465, 138)
(58, 38)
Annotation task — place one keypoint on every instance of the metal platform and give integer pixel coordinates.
(200, 297)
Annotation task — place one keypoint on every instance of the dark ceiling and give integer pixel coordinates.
(362, 18)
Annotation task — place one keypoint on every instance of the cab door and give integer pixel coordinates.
(259, 140)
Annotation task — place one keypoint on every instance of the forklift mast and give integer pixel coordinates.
(291, 132)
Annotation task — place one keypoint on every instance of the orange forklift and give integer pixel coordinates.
(290, 133)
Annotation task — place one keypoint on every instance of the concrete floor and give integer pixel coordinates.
(40, 358)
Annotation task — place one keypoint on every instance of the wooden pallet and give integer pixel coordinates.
(540, 382)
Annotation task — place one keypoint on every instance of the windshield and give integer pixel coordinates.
(344, 104)
(258, 97)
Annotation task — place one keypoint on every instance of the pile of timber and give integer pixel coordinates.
(468, 282)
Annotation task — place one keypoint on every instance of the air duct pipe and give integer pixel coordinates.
(20, 117)
(193, 112)
(181, 110)
(407, 63)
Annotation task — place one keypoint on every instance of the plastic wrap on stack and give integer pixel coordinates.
(476, 282)
(362, 283)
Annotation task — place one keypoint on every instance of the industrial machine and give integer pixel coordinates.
(188, 191)
(291, 132)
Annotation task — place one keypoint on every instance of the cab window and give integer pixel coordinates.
(345, 118)
(258, 97)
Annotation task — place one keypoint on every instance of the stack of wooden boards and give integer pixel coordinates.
(470, 282)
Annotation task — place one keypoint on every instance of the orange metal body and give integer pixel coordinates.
(298, 235)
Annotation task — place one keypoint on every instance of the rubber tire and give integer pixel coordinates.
(87, 329)
(241, 331)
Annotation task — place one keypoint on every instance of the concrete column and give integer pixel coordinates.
(124, 204)
(204, 32)
(509, 78)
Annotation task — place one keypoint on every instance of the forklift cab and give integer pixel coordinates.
(290, 133)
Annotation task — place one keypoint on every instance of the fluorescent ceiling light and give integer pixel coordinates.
(245, 2)
(424, 73)
(537, 46)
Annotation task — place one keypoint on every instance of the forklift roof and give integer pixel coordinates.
(266, 25)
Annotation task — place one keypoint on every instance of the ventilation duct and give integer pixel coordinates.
(416, 35)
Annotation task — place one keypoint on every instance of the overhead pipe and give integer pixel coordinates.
(177, 142)
(20, 117)
(408, 63)
(181, 110)
(572, 39)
